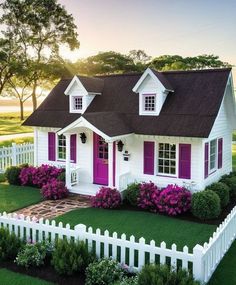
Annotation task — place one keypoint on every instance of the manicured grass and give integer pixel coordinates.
(17, 141)
(225, 272)
(10, 123)
(142, 224)
(8, 277)
(234, 156)
(16, 197)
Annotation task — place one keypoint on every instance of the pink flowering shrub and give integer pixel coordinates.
(54, 190)
(174, 200)
(148, 196)
(39, 176)
(106, 198)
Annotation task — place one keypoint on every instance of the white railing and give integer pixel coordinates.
(74, 175)
(124, 180)
(16, 155)
(128, 250)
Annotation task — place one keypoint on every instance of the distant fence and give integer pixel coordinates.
(16, 154)
(127, 250)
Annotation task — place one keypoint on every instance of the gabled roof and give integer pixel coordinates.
(92, 84)
(189, 111)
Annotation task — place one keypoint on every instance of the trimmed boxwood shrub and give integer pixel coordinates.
(12, 174)
(154, 274)
(71, 257)
(206, 205)
(2, 177)
(230, 181)
(10, 245)
(131, 193)
(222, 190)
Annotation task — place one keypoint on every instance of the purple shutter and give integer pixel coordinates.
(206, 160)
(148, 158)
(73, 148)
(51, 146)
(185, 161)
(220, 152)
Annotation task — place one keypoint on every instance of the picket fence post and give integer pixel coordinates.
(14, 154)
(80, 231)
(198, 265)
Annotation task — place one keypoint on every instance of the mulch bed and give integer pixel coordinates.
(188, 216)
(46, 273)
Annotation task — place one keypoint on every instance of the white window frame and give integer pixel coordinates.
(176, 160)
(144, 102)
(142, 97)
(57, 152)
(74, 103)
(211, 170)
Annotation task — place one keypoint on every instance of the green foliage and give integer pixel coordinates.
(154, 274)
(31, 255)
(177, 62)
(222, 190)
(230, 181)
(206, 205)
(131, 193)
(71, 257)
(103, 272)
(12, 174)
(2, 177)
(62, 176)
(10, 244)
(128, 281)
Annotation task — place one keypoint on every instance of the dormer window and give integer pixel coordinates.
(149, 102)
(78, 103)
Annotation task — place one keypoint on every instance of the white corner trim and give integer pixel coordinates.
(75, 79)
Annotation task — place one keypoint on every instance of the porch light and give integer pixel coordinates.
(120, 145)
(83, 137)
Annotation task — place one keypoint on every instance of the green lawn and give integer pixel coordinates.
(8, 277)
(10, 123)
(142, 224)
(234, 156)
(15, 197)
(17, 141)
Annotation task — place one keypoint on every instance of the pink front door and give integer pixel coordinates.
(100, 160)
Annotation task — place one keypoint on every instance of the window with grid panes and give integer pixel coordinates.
(78, 102)
(61, 147)
(167, 158)
(212, 154)
(149, 102)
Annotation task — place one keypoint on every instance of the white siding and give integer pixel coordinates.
(134, 145)
(222, 128)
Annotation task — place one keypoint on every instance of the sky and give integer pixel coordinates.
(183, 27)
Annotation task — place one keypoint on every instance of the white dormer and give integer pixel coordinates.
(153, 88)
(81, 91)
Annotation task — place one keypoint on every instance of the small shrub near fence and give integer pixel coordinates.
(127, 250)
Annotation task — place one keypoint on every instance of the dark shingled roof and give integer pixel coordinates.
(92, 84)
(189, 111)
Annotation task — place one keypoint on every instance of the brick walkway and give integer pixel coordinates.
(50, 209)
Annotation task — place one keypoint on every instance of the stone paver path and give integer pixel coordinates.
(52, 208)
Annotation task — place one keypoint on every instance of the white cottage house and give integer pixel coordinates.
(167, 127)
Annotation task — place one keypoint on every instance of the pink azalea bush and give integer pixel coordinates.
(54, 190)
(174, 200)
(106, 198)
(148, 197)
(39, 176)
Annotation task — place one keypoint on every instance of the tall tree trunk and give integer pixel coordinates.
(34, 96)
(21, 110)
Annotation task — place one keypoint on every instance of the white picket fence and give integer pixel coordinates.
(16, 154)
(134, 253)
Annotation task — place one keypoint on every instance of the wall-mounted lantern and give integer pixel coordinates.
(120, 145)
(83, 137)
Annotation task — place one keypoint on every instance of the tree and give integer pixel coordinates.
(176, 62)
(9, 61)
(39, 28)
(105, 63)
